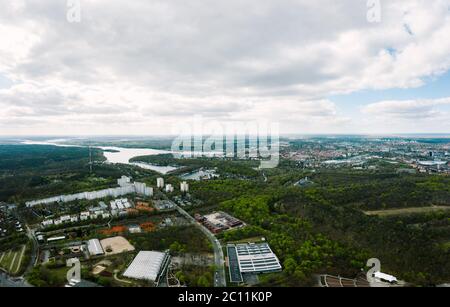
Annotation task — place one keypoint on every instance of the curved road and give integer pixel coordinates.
(34, 250)
(219, 278)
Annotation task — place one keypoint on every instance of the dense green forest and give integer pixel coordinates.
(227, 167)
(181, 239)
(322, 229)
(162, 143)
(315, 230)
(38, 171)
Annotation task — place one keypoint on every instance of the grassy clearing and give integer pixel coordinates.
(20, 257)
(402, 211)
(11, 260)
(446, 246)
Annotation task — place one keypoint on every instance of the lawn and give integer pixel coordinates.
(11, 260)
(390, 212)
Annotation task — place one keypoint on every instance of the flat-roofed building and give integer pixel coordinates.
(95, 248)
(255, 258)
(147, 265)
(53, 239)
(160, 183)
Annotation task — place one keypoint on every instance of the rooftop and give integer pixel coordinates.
(95, 248)
(147, 265)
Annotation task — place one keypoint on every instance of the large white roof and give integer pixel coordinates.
(95, 248)
(254, 258)
(384, 276)
(146, 265)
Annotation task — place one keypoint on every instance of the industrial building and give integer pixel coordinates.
(217, 222)
(251, 258)
(148, 265)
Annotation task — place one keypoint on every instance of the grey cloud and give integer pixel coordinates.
(167, 58)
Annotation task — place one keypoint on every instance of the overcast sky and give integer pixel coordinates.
(138, 66)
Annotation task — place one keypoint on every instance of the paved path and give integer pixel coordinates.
(7, 281)
(121, 280)
(34, 250)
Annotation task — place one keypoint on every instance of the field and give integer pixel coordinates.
(116, 245)
(11, 260)
(391, 212)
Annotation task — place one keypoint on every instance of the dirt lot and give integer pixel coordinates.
(116, 245)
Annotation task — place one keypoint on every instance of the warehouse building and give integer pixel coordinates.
(95, 248)
(148, 265)
(251, 258)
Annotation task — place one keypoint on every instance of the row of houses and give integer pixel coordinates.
(117, 208)
(75, 218)
(125, 187)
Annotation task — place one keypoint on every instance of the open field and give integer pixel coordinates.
(116, 245)
(11, 260)
(402, 211)
(446, 246)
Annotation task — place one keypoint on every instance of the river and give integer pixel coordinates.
(119, 155)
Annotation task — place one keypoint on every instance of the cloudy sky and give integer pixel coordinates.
(139, 66)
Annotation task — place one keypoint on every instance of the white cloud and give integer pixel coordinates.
(407, 109)
(406, 116)
(155, 62)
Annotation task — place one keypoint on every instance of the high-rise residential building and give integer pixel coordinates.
(125, 187)
(160, 183)
(184, 187)
(123, 181)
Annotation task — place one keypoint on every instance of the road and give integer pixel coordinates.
(34, 250)
(7, 281)
(219, 260)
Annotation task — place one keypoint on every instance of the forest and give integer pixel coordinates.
(225, 167)
(320, 228)
(39, 171)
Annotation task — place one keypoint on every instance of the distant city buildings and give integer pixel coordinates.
(217, 222)
(370, 154)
